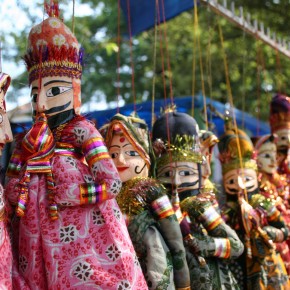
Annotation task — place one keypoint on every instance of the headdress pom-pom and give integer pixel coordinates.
(52, 8)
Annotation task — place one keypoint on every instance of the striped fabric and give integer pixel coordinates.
(95, 150)
(212, 218)
(162, 207)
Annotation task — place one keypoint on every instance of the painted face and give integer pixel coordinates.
(283, 138)
(52, 96)
(205, 167)
(5, 129)
(267, 158)
(182, 175)
(232, 181)
(127, 160)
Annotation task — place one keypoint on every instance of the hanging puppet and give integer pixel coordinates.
(209, 241)
(71, 232)
(280, 125)
(151, 220)
(255, 218)
(272, 186)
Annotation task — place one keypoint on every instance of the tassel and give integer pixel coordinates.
(23, 195)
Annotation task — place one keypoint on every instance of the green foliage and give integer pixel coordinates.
(254, 68)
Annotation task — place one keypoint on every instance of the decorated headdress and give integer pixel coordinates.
(175, 138)
(135, 130)
(53, 50)
(5, 81)
(280, 113)
(207, 138)
(229, 152)
(264, 139)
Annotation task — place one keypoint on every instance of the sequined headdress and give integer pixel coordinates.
(279, 113)
(175, 138)
(135, 130)
(53, 50)
(229, 154)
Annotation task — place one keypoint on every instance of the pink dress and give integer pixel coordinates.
(5, 248)
(88, 246)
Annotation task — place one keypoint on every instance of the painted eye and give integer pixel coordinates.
(166, 174)
(114, 155)
(186, 173)
(54, 91)
(1, 118)
(132, 153)
(34, 98)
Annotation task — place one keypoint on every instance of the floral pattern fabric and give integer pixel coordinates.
(88, 246)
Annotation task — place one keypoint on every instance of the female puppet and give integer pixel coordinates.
(272, 186)
(256, 220)
(210, 242)
(151, 220)
(280, 125)
(71, 232)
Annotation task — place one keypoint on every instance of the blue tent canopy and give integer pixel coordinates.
(245, 121)
(143, 12)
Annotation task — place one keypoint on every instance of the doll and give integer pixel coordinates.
(209, 241)
(255, 218)
(280, 125)
(272, 185)
(151, 220)
(63, 182)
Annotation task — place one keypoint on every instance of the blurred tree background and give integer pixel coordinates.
(256, 70)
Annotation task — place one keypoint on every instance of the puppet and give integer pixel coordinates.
(272, 185)
(71, 232)
(151, 220)
(209, 241)
(256, 220)
(280, 125)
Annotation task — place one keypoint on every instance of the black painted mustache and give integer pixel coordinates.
(55, 109)
(136, 169)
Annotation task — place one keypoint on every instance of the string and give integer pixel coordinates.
(154, 66)
(131, 55)
(167, 52)
(193, 63)
(73, 18)
(258, 86)
(0, 55)
(118, 55)
(244, 82)
(161, 54)
(201, 66)
(230, 97)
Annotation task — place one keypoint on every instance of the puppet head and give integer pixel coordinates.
(239, 170)
(280, 120)
(177, 150)
(207, 142)
(5, 129)
(54, 63)
(128, 142)
(267, 154)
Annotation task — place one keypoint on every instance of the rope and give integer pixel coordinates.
(131, 55)
(201, 65)
(118, 55)
(154, 67)
(230, 96)
(73, 18)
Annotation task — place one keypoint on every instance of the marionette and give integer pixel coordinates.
(151, 220)
(280, 125)
(208, 189)
(209, 241)
(71, 232)
(255, 218)
(272, 185)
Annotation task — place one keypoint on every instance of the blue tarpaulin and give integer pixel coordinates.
(143, 13)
